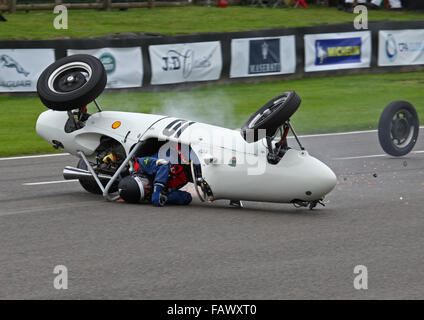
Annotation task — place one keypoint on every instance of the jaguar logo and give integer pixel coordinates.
(9, 62)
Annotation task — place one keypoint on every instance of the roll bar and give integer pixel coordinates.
(105, 190)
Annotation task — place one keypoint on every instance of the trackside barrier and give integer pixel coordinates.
(155, 62)
(12, 6)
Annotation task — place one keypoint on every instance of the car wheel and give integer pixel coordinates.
(71, 82)
(90, 184)
(398, 128)
(271, 116)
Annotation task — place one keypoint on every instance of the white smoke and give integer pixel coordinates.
(212, 108)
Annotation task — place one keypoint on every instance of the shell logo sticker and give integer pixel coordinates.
(116, 124)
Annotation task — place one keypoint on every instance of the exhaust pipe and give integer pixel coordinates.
(71, 173)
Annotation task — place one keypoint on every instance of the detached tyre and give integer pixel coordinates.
(71, 82)
(398, 128)
(271, 116)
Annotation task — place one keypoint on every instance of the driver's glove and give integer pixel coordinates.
(158, 199)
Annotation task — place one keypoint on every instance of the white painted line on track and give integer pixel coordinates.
(37, 156)
(335, 134)
(338, 133)
(47, 182)
(43, 209)
(372, 156)
(362, 157)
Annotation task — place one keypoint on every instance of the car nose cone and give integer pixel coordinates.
(324, 180)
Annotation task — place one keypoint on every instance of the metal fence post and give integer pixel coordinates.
(107, 4)
(12, 6)
(151, 4)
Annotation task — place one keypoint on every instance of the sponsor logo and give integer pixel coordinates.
(8, 62)
(411, 46)
(185, 61)
(109, 62)
(233, 162)
(391, 47)
(116, 124)
(395, 48)
(15, 84)
(337, 51)
(264, 56)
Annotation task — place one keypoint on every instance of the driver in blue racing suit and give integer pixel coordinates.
(167, 181)
(166, 178)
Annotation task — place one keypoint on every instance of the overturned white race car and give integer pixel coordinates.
(254, 163)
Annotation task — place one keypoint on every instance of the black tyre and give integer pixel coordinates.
(398, 128)
(71, 82)
(271, 116)
(90, 184)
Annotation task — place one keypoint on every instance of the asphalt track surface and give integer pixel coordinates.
(374, 217)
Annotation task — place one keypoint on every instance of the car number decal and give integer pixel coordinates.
(175, 125)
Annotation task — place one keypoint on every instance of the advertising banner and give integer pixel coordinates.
(334, 51)
(124, 66)
(400, 47)
(185, 62)
(251, 57)
(20, 68)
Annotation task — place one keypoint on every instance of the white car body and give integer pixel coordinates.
(233, 168)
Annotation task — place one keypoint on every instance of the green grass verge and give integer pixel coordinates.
(172, 21)
(328, 105)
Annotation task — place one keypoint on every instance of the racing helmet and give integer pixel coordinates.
(135, 188)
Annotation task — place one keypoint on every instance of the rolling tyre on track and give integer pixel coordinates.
(398, 128)
(71, 82)
(271, 116)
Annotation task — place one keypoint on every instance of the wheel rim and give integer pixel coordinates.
(260, 117)
(69, 77)
(402, 128)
